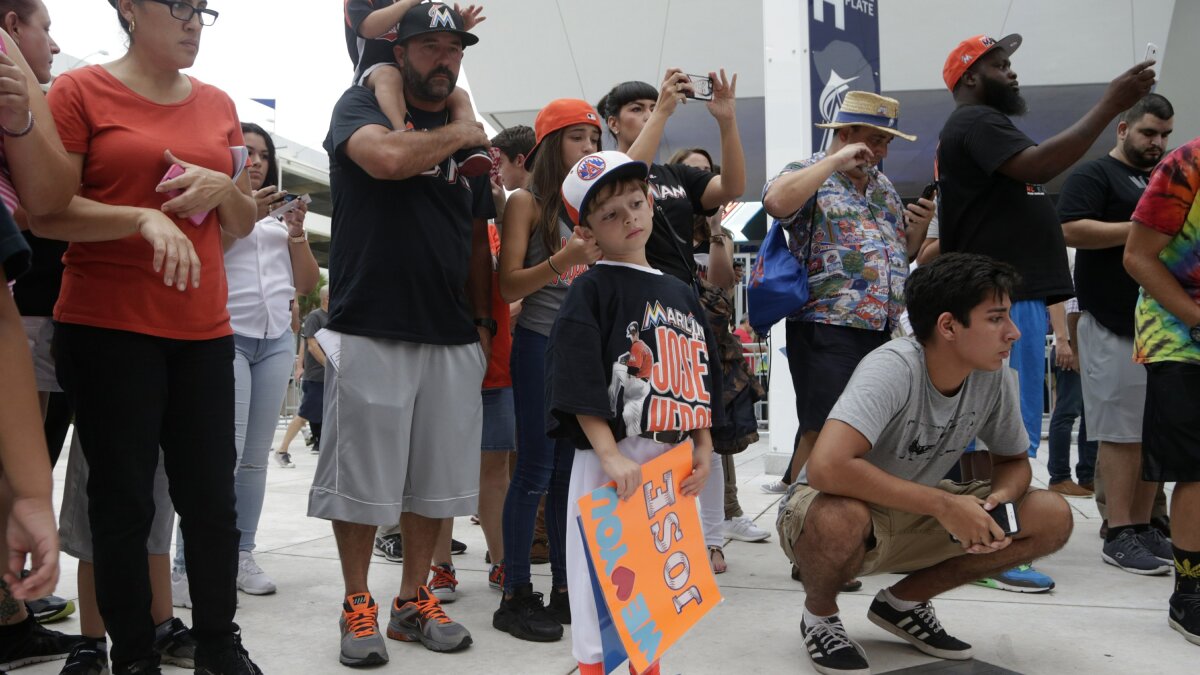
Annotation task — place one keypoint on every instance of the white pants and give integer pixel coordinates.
(712, 505)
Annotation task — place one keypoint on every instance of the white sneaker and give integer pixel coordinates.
(284, 460)
(181, 595)
(251, 578)
(776, 488)
(744, 529)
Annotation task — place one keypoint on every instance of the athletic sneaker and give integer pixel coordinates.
(742, 528)
(390, 546)
(87, 658)
(1127, 552)
(284, 460)
(831, 650)
(50, 608)
(362, 645)
(146, 666)
(1158, 544)
(30, 642)
(225, 657)
(175, 644)
(473, 162)
(776, 488)
(496, 577)
(1021, 579)
(1184, 615)
(422, 619)
(251, 578)
(560, 606)
(525, 617)
(181, 595)
(919, 627)
(444, 582)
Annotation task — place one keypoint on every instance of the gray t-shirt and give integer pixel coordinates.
(315, 321)
(918, 434)
(539, 308)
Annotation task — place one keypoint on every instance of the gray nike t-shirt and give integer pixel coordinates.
(918, 434)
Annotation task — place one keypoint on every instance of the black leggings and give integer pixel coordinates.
(133, 393)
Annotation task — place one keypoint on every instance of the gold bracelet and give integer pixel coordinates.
(550, 262)
(302, 239)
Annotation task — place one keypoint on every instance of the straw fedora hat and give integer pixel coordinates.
(868, 109)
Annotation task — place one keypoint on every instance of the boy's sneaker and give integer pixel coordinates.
(473, 162)
(525, 617)
(284, 460)
(920, 627)
(1020, 579)
(362, 645)
(496, 577)
(1158, 544)
(457, 547)
(423, 620)
(181, 595)
(444, 582)
(390, 546)
(251, 578)
(1184, 615)
(175, 644)
(1127, 552)
(775, 488)
(226, 656)
(560, 606)
(742, 528)
(30, 642)
(87, 658)
(831, 650)
(50, 608)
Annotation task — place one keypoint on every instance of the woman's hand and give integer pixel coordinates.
(674, 90)
(174, 254)
(32, 532)
(724, 102)
(294, 220)
(471, 14)
(203, 189)
(578, 251)
(267, 199)
(14, 96)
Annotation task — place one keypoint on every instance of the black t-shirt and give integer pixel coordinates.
(677, 190)
(38, 290)
(658, 378)
(365, 53)
(314, 322)
(1107, 190)
(400, 249)
(984, 211)
(14, 252)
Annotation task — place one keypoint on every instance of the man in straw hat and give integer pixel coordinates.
(862, 240)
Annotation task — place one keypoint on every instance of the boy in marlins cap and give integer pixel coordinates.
(612, 330)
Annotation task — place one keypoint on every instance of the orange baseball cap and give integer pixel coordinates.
(971, 49)
(560, 114)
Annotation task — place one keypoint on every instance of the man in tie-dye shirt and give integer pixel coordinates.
(1163, 255)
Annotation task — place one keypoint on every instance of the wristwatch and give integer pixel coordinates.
(488, 323)
(1195, 333)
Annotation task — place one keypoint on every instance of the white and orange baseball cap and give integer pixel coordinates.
(593, 172)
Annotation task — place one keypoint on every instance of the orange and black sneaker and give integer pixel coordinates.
(496, 577)
(422, 620)
(362, 645)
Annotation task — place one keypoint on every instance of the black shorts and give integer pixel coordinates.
(821, 358)
(312, 401)
(1170, 434)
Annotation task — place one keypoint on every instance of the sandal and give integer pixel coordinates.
(717, 567)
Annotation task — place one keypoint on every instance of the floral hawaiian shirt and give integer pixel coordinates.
(859, 260)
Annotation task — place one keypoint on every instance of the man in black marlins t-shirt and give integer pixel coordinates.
(410, 273)
(1096, 206)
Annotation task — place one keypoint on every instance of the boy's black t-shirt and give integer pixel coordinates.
(364, 52)
(630, 345)
(1108, 190)
(14, 251)
(401, 249)
(677, 190)
(983, 211)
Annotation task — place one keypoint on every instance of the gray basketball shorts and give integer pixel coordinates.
(403, 423)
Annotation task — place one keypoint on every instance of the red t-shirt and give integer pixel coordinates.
(498, 373)
(112, 284)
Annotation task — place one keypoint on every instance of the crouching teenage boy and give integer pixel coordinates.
(876, 502)
(627, 363)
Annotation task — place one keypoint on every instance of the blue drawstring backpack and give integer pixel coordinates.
(778, 285)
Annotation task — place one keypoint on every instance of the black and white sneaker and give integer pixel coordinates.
(920, 627)
(1183, 614)
(831, 650)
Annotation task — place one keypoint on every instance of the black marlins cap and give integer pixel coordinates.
(433, 17)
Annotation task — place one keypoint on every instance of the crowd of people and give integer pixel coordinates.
(567, 316)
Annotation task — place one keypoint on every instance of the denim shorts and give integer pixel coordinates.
(499, 420)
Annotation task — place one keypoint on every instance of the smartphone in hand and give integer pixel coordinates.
(1005, 516)
(702, 89)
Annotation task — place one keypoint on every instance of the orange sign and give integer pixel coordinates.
(649, 558)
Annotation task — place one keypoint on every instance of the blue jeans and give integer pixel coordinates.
(1067, 406)
(260, 375)
(1029, 360)
(543, 468)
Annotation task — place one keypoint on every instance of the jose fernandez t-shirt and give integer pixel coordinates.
(400, 249)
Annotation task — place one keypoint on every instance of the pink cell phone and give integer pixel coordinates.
(174, 172)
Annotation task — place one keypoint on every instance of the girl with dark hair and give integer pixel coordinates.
(143, 345)
(539, 257)
(265, 270)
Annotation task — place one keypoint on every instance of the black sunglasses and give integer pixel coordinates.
(184, 12)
